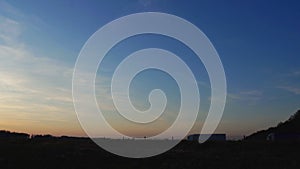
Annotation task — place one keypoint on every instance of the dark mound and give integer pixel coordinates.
(290, 128)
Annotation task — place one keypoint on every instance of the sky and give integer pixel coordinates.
(258, 43)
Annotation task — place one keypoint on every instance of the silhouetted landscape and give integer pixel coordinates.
(139, 84)
(20, 150)
(288, 130)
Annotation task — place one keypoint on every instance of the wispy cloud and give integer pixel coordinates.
(33, 88)
(246, 95)
(294, 90)
(296, 73)
(250, 97)
(251, 93)
(290, 82)
(6, 8)
(14, 13)
(9, 31)
(145, 3)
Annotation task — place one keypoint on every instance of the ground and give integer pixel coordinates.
(73, 153)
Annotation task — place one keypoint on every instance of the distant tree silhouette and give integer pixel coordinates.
(46, 136)
(13, 135)
(295, 116)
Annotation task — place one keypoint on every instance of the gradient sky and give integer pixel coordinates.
(257, 41)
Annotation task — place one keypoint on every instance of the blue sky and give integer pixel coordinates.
(258, 43)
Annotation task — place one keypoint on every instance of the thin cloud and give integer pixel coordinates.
(249, 95)
(252, 92)
(296, 73)
(294, 90)
(33, 89)
(32, 21)
(10, 30)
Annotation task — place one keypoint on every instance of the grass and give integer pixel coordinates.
(75, 153)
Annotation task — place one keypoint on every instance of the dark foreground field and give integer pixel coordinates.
(71, 153)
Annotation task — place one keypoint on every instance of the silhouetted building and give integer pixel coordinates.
(212, 137)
